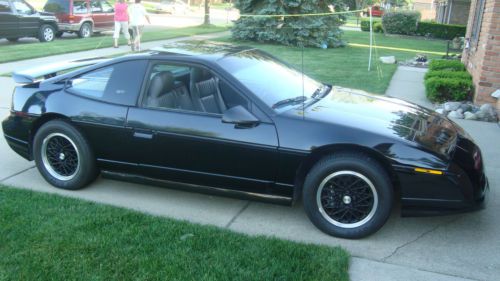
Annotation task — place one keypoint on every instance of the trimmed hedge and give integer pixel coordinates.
(440, 89)
(400, 22)
(451, 65)
(448, 74)
(439, 30)
(377, 27)
(365, 24)
(447, 80)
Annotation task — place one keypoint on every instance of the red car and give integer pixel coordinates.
(377, 11)
(82, 17)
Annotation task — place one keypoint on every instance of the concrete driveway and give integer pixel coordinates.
(457, 247)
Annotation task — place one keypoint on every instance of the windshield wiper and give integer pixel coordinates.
(290, 101)
(321, 91)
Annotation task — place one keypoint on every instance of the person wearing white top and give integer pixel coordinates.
(137, 13)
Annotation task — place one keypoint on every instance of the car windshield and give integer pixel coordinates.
(271, 80)
(22, 7)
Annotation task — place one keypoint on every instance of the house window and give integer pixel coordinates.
(478, 20)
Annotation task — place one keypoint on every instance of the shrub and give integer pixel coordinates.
(448, 74)
(377, 27)
(400, 22)
(452, 65)
(439, 30)
(365, 25)
(440, 89)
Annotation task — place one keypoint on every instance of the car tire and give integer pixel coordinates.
(59, 34)
(13, 39)
(47, 33)
(63, 156)
(348, 195)
(85, 30)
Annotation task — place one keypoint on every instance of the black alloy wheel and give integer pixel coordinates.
(348, 195)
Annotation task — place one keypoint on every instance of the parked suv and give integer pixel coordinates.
(82, 17)
(19, 19)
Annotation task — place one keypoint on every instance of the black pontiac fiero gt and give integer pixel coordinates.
(237, 121)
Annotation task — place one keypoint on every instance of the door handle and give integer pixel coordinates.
(143, 135)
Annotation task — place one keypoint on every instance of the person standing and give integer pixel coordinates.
(121, 22)
(137, 13)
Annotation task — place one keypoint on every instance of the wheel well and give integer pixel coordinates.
(38, 123)
(55, 26)
(89, 22)
(319, 153)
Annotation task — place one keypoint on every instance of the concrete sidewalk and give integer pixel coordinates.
(458, 247)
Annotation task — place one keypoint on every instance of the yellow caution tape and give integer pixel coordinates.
(300, 15)
(396, 49)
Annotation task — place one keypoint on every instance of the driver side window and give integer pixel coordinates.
(95, 6)
(189, 88)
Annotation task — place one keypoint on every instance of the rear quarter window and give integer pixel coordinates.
(119, 83)
(57, 6)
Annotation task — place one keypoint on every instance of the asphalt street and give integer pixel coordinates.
(455, 247)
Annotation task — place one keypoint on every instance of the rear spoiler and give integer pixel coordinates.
(35, 74)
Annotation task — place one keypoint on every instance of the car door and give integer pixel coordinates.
(183, 144)
(28, 19)
(108, 21)
(98, 103)
(98, 15)
(8, 21)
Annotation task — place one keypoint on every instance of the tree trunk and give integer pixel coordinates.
(207, 13)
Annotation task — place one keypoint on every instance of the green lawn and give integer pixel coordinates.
(49, 237)
(348, 67)
(21, 51)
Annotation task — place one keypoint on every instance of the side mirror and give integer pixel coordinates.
(240, 116)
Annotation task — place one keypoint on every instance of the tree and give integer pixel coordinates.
(207, 13)
(317, 31)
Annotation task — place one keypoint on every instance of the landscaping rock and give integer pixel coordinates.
(486, 108)
(489, 112)
(452, 105)
(480, 115)
(388, 59)
(470, 116)
(468, 110)
(466, 107)
(496, 94)
(455, 114)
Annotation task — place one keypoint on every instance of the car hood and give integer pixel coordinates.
(47, 16)
(387, 116)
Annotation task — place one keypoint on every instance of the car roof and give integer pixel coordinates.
(201, 49)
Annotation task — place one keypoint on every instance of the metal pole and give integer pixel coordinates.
(371, 39)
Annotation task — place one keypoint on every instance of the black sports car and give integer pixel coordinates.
(237, 121)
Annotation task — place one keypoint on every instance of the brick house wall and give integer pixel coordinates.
(482, 57)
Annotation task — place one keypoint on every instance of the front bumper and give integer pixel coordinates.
(463, 187)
